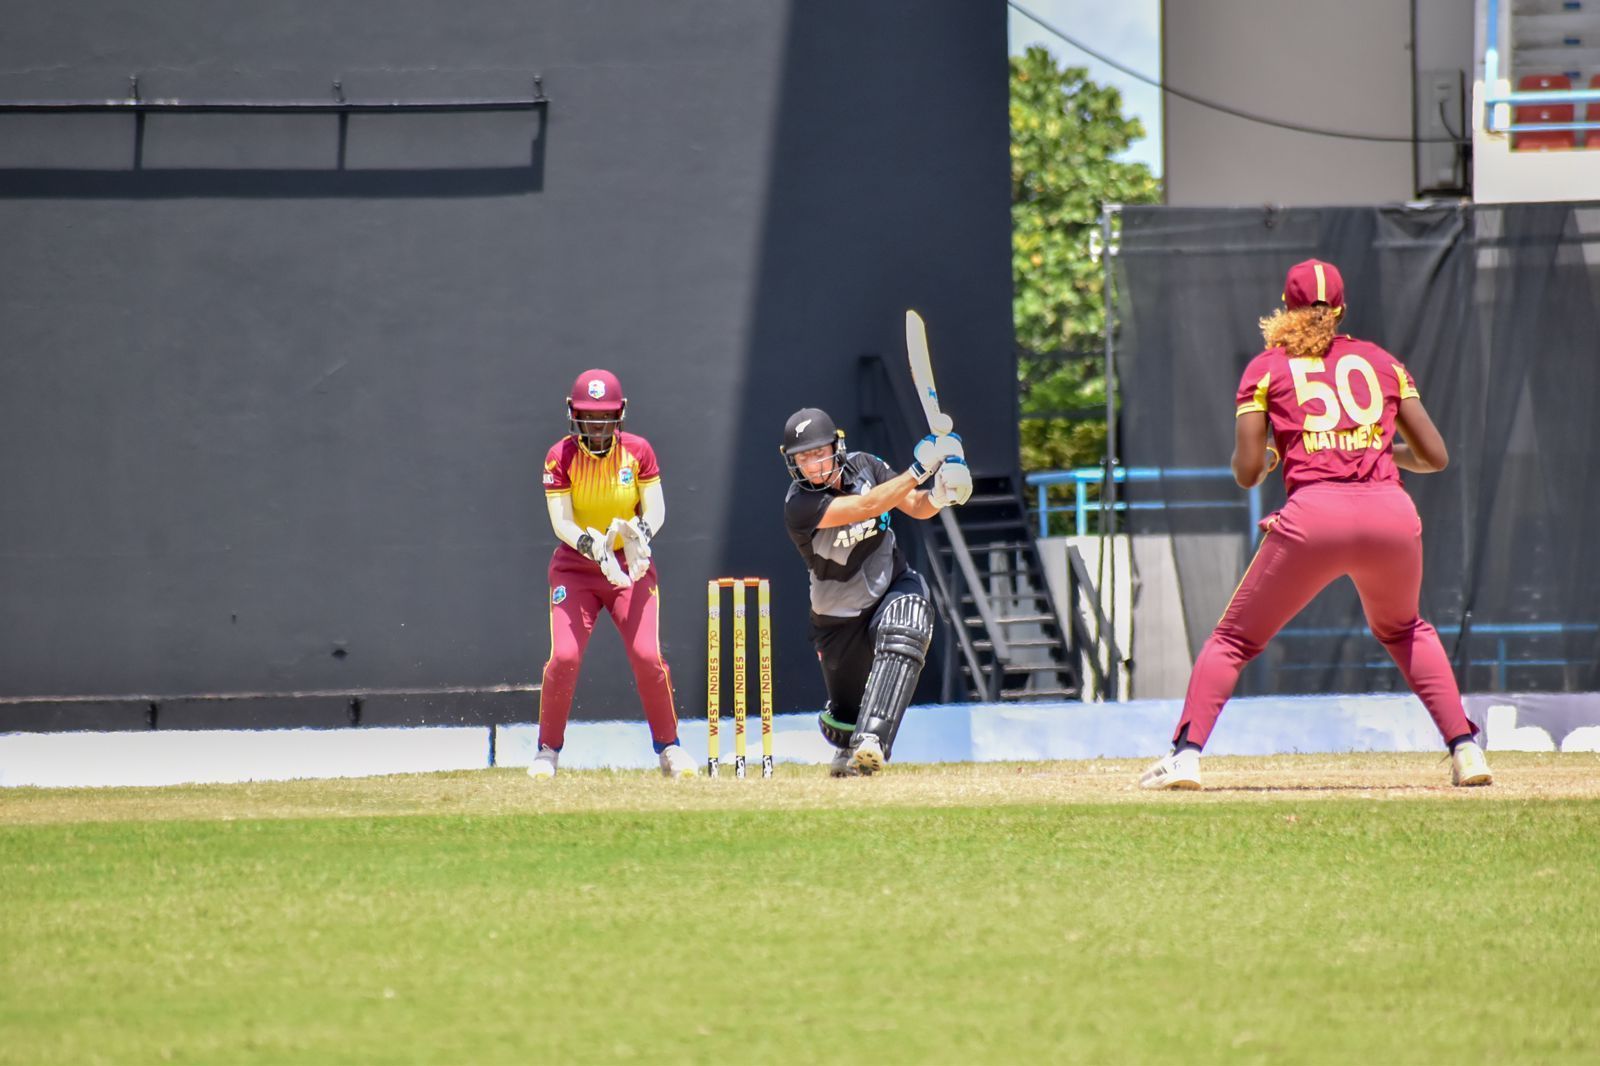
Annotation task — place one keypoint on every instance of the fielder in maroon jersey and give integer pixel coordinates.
(1330, 406)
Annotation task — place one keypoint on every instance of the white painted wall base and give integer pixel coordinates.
(177, 757)
(954, 733)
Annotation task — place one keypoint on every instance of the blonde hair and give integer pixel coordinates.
(1303, 330)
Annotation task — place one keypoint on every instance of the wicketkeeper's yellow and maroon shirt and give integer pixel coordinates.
(1332, 416)
(602, 487)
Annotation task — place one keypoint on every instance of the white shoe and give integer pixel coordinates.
(675, 762)
(842, 766)
(866, 754)
(544, 763)
(1468, 767)
(1181, 769)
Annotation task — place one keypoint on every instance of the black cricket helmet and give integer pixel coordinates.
(809, 428)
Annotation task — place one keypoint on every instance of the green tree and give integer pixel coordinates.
(1065, 133)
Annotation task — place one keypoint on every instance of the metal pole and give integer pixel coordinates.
(1108, 487)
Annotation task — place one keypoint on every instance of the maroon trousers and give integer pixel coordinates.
(578, 593)
(1368, 531)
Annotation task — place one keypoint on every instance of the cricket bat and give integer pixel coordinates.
(922, 375)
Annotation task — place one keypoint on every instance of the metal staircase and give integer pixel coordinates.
(1006, 638)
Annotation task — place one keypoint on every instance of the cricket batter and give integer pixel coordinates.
(603, 491)
(1332, 405)
(871, 621)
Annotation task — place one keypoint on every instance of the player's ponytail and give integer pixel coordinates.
(1303, 330)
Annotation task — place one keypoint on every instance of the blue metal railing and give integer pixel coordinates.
(1084, 476)
(1501, 632)
(1491, 76)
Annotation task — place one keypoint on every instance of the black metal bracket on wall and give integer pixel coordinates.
(134, 104)
(137, 105)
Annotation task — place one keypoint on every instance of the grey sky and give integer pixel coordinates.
(1129, 32)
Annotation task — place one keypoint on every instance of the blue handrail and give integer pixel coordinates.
(1519, 629)
(1084, 476)
(1498, 630)
(1491, 75)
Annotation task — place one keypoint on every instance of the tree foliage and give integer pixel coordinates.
(1065, 134)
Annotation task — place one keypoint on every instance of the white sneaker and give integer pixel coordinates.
(544, 763)
(866, 754)
(1181, 769)
(842, 766)
(1468, 767)
(675, 762)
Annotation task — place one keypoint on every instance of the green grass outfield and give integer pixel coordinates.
(1312, 909)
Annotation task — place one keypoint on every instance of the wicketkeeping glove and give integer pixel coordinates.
(635, 534)
(612, 571)
(600, 547)
(590, 545)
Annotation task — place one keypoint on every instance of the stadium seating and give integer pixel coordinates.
(1544, 140)
(1592, 114)
(1558, 43)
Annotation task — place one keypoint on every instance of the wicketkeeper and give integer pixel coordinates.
(871, 621)
(603, 490)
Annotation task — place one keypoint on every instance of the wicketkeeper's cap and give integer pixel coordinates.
(596, 390)
(807, 428)
(1313, 282)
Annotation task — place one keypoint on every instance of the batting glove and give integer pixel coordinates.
(952, 485)
(931, 451)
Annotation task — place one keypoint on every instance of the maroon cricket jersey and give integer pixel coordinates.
(1331, 416)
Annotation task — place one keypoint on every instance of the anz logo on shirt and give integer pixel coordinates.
(851, 535)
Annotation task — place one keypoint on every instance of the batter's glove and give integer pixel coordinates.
(931, 451)
(952, 485)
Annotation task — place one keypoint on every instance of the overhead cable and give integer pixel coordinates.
(1265, 120)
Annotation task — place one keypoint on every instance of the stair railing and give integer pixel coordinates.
(1080, 588)
(886, 403)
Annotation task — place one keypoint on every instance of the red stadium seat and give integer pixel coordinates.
(1592, 114)
(1543, 141)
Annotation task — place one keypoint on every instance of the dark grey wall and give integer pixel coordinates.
(257, 409)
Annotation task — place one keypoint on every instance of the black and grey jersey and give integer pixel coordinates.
(851, 566)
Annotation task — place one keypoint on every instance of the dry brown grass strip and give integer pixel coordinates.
(1273, 779)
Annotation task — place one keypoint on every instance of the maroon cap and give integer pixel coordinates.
(1313, 282)
(596, 390)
